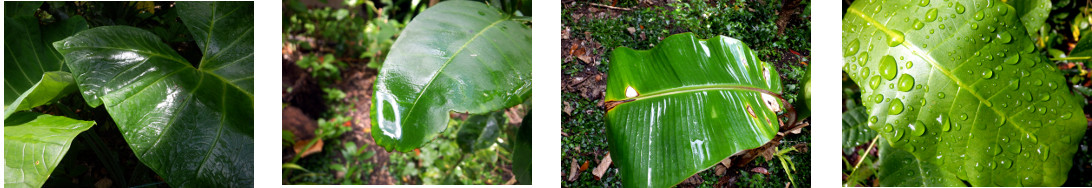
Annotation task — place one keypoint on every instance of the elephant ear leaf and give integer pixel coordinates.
(53, 86)
(28, 53)
(962, 87)
(457, 56)
(685, 105)
(29, 157)
(521, 152)
(192, 126)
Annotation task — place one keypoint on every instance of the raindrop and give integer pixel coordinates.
(852, 48)
(959, 8)
(888, 68)
(918, 24)
(979, 15)
(874, 82)
(974, 25)
(906, 82)
(873, 119)
(987, 74)
(931, 15)
(894, 38)
(909, 64)
(1044, 97)
(1013, 60)
(896, 107)
(1067, 115)
(923, 3)
(963, 116)
(887, 127)
(947, 125)
(1005, 37)
(1006, 163)
(940, 95)
(918, 128)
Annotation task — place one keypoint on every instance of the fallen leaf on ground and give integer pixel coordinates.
(602, 168)
(760, 170)
(573, 170)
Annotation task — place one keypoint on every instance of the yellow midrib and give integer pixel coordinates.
(909, 45)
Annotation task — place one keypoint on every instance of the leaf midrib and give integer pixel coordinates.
(909, 45)
(448, 62)
(697, 88)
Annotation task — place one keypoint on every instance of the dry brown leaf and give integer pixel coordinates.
(568, 109)
(299, 147)
(760, 170)
(584, 166)
(602, 168)
(573, 170)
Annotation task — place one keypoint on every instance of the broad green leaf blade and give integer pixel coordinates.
(899, 168)
(34, 144)
(53, 86)
(192, 127)
(521, 152)
(855, 129)
(225, 33)
(456, 56)
(479, 131)
(685, 105)
(28, 53)
(1032, 13)
(965, 90)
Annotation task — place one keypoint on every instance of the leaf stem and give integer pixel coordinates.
(860, 159)
(1070, 58)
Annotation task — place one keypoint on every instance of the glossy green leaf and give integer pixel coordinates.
(964, 90)
(456, 56)
(1032, 13)
(34, 144)
(855, 129)
(479, 131)
(191, 125)
(899, 168)
(521, 152)
(685, 105)
(28, 53)
(51, 87)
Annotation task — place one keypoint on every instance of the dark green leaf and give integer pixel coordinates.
(480, 131)
(961, 87)
(855, 129)
(457, 56)
(685, 105)
(28, 53)
(192, 126)
(521, 152)
(34, 144)
(21, 8)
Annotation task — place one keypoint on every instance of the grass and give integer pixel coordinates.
(752, 23)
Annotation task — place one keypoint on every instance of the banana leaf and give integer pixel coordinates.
(686, 105)
(194, 126)
(961, 87)
(459, 56)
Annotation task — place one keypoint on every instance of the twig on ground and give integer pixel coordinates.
(610, 7)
